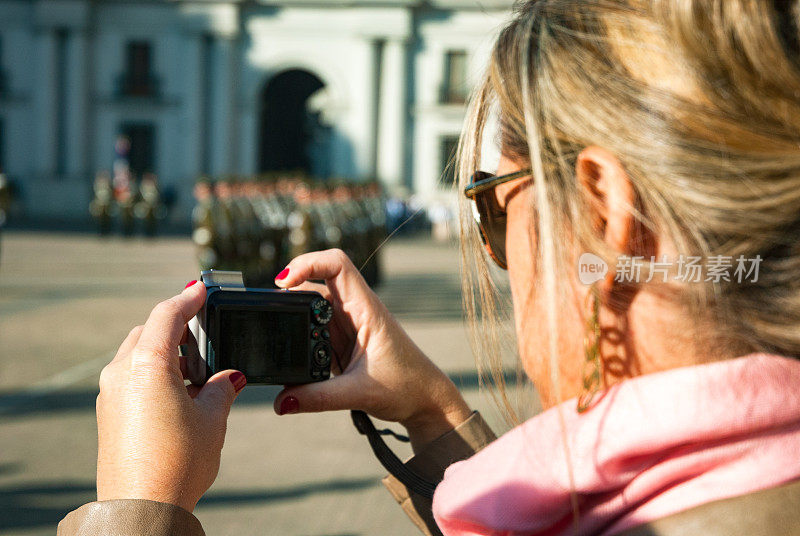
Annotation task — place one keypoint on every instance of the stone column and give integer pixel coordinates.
(194, 89)
(392, 126)
(77, 102)
(224, 107)
(373, 106)
(44, 98)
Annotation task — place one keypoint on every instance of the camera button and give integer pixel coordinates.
(322, 356)
(321, 310)
(326, 334)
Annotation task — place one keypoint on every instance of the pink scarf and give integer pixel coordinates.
(653, 446)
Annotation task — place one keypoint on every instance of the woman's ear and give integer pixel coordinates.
(609, 191)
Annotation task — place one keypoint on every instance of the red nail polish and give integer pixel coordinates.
(190, 283)
(238, 380)
(289, 405)
(283, 274)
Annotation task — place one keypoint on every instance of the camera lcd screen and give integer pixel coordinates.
(264, 343)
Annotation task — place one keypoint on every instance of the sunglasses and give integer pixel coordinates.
(491, 219)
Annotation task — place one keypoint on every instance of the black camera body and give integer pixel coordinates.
(275, 337)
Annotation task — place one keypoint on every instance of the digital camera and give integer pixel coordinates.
(275, 337)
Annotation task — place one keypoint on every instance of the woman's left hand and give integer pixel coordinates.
(157, 438)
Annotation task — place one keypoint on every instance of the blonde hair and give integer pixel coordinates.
(700, 102)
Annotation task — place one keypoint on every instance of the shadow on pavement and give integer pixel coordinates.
(41, 503)
(422, 296)
(10, 468)
(22, 506)
(19, 404)
(224, 498)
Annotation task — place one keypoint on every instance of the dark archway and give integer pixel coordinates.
(285, 126)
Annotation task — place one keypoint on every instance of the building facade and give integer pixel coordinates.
(355, 89)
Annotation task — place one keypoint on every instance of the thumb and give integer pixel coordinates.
(219, 392)
(330, 395)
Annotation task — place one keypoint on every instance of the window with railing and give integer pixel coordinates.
(454, 88)
(138, 79)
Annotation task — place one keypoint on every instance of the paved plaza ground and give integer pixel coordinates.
(68, 300)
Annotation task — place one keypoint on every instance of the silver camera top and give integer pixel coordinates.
(225, 280)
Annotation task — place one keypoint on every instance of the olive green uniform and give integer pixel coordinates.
(205, 234)
(101, 206)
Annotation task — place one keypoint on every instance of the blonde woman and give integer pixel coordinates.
(657, 136)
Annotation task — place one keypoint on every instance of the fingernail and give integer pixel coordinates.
(283, 274)
(289, 405)
(238, 380)
(190, 283)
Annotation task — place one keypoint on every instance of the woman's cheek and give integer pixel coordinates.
(528, 318)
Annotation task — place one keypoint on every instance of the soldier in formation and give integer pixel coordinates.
(117, 195)
(148, 208)
(258, 226)
(133, 205)
(102, 205)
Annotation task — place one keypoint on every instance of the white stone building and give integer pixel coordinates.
(223, 87)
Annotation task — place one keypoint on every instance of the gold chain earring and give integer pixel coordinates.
(592, 366)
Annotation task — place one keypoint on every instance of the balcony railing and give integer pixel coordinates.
(138, 86)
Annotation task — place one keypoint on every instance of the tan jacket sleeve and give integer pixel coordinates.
(458, 444)
(130, 517)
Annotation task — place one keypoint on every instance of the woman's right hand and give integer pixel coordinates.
(377, 367)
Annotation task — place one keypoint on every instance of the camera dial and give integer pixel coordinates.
(322, 311)
(322, 355)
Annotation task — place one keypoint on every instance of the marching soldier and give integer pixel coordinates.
(124, 184)
(125, 197)
(102, 205)
(223, 223)
(258, 228)
(247, 229)
(357, 229)
(300, 224)
(327, 233)
(148, 208)
(205, 234)
(348, 222)
(280, 216)
(285, 199)
(374, 207)
(272, 221)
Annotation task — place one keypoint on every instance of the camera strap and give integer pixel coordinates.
(389, 459)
